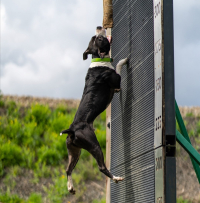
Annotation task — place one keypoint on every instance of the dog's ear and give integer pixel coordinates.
(89, 49)
(85, 54)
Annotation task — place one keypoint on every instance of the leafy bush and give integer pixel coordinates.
(198, 128)
(39, 114)
(12, 109)
(103, 116)
(50, 156)
(181, 200)
(2, 103)
(101, 138)
(61, 122)
(13, 129)
(33, 142)
(11, 155)
(62, 109)
(103, 200)
(7, 197)
(57, 191)
(190, 114)
(35, 198)
(60, 146)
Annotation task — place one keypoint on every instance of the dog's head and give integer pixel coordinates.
(99, 45)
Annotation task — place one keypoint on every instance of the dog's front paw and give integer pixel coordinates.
(123, 61)
(117, 90)
(117, 179)
(126, 60)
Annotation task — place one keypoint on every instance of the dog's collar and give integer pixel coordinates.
(102, 60)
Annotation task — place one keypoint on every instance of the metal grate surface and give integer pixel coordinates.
(132, 110)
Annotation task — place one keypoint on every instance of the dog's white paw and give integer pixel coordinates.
(70, 185)
(71, 188)
(117, 179)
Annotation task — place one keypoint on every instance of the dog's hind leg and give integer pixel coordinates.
(98, 155)
(73, 156)
(86, 139)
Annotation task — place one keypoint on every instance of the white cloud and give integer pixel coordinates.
(42, 46)
(187, 49)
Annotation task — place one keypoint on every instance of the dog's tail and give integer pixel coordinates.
(74, 127)
(68, 131)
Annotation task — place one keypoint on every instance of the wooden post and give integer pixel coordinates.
(108, 147)
(107, 14)
(108, 140)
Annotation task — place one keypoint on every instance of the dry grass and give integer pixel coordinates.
(26, 101)
(194, 110)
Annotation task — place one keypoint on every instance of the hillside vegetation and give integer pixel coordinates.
(33, 157)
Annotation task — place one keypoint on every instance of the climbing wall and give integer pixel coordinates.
(138, 137)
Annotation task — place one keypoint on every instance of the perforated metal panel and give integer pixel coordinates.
(142, 113)
(132, 110)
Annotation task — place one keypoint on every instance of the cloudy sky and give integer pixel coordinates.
(42, 43)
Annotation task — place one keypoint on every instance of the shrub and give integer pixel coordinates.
(33, 135)
(12, 109)
(13, 129)
(58, 190)
(103, 200)
(61, 109)
(181, 200)
(10, 198)
(38, 114)
(11, 155)
(2, 103)
(198, 128)
(35, 198)
(103, 116)
(60, 123)
(190, 114)
(101, 136)
(1, 169)
(84, 154)
(50, 156)
(60, 146)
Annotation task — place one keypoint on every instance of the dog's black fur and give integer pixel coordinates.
(100, 83)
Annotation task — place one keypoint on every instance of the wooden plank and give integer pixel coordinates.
(108, 140)
(108, 147)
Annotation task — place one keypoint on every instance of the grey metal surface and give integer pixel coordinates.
(159, 175)
(132, 110)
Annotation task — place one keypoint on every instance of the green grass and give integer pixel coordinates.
(181, 200)
(10, 198)
(31, 141)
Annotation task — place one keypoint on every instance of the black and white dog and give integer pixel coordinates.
(100, 84)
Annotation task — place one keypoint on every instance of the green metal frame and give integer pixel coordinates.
(184, 140)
